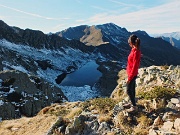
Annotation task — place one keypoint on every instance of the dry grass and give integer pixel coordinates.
(74, 112)
(164, 67)
(157, 92)
(102, 105)
(37, 125)
(124, 124)
(140, 131)
(105, 118)
(144, 121)
(111, 133)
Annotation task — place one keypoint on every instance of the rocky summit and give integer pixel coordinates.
(158, 101)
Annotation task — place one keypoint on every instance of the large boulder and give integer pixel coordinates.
(7, 110)
(23, 94)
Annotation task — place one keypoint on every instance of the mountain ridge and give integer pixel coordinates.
(175, 35)
(118, 36)
(103, 31)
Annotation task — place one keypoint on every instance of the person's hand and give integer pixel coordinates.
(128, 82)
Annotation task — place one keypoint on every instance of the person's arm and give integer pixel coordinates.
(135, 65)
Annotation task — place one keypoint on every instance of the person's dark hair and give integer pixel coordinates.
(134, 40)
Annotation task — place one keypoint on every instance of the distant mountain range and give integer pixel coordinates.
(155, 50)
(173, 38)
(175, 35)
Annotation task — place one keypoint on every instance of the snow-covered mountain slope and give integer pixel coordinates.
(45, 63)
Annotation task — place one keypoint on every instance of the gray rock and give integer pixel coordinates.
(175, 100)
(172, 106)
(7, 111)
(118, 107)
(104, 128)
(55, 125)
(1, 66)
(79, 121)
(21, 81)
(152, 132)
(28, 94)
(167, 126)
(171, 67)
(177, 125)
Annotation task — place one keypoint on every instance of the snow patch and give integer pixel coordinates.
(11, 90)
(79, 93)
(1, 102)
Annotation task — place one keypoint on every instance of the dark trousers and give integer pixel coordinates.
(131, 90)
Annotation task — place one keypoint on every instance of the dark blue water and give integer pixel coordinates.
(86, 75)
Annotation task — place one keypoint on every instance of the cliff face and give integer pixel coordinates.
(25, 95)
(158, 101)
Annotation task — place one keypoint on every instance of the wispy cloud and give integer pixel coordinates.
(157, 19)
(78, 1)
(104, 9)
(60, 26)
(123, 4)
(100, 8)
(32, 14)
(126, 5)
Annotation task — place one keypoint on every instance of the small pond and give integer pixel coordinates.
(86, 75)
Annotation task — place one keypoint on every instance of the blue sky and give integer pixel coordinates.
(153, 16)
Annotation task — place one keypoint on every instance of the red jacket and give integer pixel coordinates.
(133, 63)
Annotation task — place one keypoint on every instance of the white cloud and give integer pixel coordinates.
(99, 8)
(124, 4)
(158, 19)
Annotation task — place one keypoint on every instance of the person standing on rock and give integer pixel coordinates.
(133, 64)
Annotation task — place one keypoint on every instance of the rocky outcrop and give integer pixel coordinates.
(22, 94)
(119, 121)
(152, 84)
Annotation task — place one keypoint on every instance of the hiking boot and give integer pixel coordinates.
(128, 105)
(133, 108)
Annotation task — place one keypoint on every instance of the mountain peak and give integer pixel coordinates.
(141, 32)
(96, 34)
